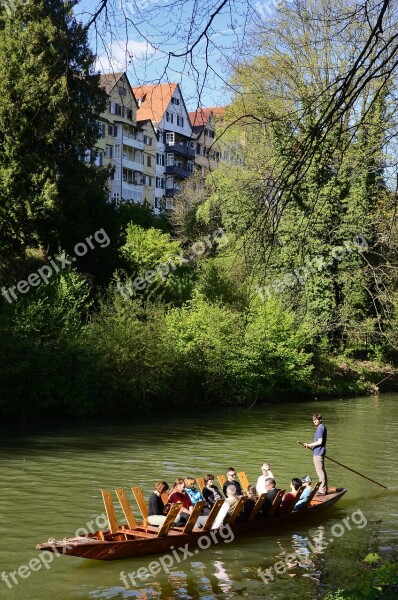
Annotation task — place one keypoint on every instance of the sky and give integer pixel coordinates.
(140, 34)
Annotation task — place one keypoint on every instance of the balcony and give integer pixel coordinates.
(182, 149)
(132, 164)
(133, 142)
(179, 171)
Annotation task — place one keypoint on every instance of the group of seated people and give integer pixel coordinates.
(185, 492)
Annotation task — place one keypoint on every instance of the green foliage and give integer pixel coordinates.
(380, 583)
(50, 101)
(277, 349)
(207, 341)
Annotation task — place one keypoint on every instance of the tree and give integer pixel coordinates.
(50, 101)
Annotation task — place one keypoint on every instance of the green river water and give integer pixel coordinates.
(52, 474)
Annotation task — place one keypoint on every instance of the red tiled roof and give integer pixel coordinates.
(201, 116)
(154, 100)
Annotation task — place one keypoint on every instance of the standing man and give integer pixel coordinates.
(318, 448)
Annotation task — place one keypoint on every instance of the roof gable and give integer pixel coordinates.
(153, 100)
(109, 80)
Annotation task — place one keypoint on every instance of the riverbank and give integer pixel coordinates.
(80, 394)
(338, 377)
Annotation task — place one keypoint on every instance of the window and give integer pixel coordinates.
(116, 151)
(122, 90)
(160, 159)
(112, 130)
(170, 159)
(147, 140)
(129, 114)
(190, 166)
(116, 198)
(159, 135)
(137, 180)
(160, 183)
(169, 117)
(108, 151)
(169, 203)
(180, 121)
(116, 173)
(98, 158)
(101, 130)
(147, 180)
(170, 139)
(175, 101)
(149, 161)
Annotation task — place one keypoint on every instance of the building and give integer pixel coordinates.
(204, 122)
(163, 104)
(123, 140)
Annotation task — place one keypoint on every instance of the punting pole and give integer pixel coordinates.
(349, 468)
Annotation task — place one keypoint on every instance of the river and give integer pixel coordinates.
(52, 474)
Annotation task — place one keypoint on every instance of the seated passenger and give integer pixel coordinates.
(177, 494)
(231, 480)
(231, 501)
(211, 493)
(270, 486)
(156, 505)
(250, 503)
(289, 496)
(306, 481)
(194, 494)
(266, 472)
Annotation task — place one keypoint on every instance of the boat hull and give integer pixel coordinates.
(152, 544)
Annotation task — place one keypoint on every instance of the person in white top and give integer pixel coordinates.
(260, 485)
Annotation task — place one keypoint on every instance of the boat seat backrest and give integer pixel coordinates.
(295, 499)
(237, 510)
(257, 507)
(213, 514)
(171, 517)
(110, 511)
(221, 480)
(243, 480)
(314, 491)
(190, 524)
(276, 503)
(139, 498)
(201, 483)
(128, 513)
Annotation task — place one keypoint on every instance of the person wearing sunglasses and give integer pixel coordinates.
(231, 480)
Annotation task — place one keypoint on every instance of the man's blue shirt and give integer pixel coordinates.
(320, 432)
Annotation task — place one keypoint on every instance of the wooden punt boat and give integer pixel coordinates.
(140, 539)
